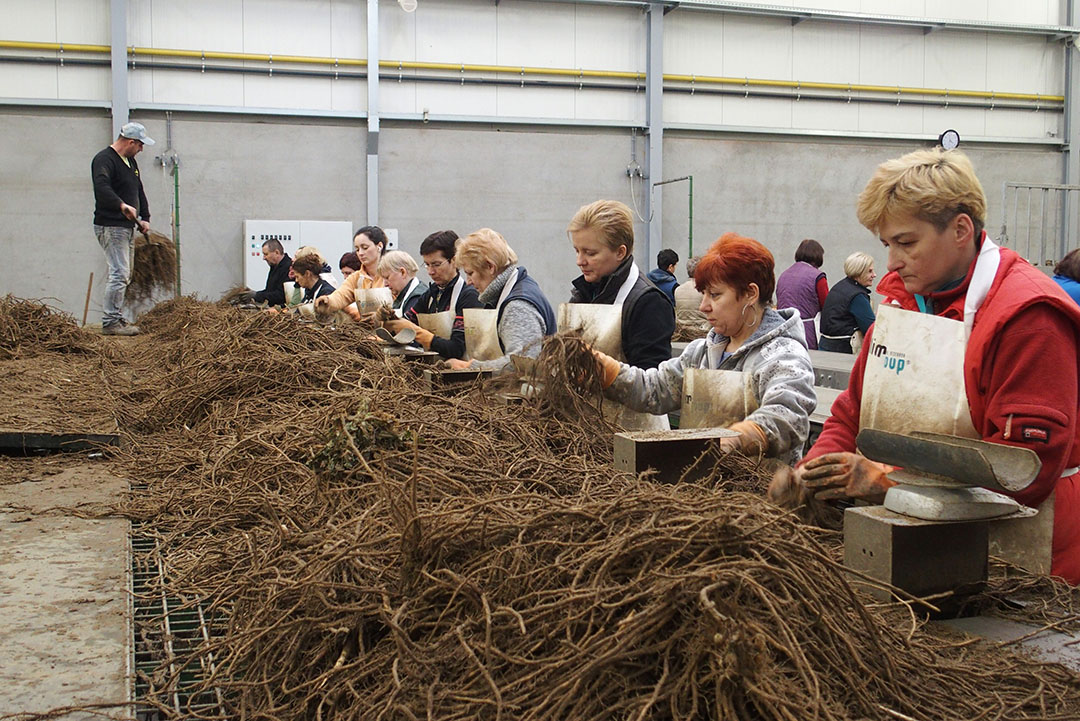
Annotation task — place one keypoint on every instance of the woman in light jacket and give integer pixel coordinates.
(774, 384)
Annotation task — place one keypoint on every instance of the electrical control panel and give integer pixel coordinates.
(333, 238)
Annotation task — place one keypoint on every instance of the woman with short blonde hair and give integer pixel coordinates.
(847, 310)
(398, 271)
(516, 315)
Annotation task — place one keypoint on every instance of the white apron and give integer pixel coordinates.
(482, 326)
(914, 381)
(600, 324)
(369, 300)
(716, 398)
(442, 323)
(405, 294)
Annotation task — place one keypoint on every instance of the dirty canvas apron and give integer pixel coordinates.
(482, 326)
(716, 398)
(369, 300)
(442, 323)
(600, 324)
(914, 381)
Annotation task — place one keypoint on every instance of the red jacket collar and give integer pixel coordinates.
(948, 303)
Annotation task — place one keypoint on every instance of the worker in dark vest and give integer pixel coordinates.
(847, 314)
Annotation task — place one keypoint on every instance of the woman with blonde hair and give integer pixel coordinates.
(516, 316)
(637, 317)
(398, 270)
(847, 314)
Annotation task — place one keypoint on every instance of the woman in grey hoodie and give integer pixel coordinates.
(736, 277)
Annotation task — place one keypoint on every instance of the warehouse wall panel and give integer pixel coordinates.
(87, 20)
(190, 25)
(826, 52)
(610, 38)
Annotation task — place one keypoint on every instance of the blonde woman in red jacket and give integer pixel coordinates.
(1001, 362)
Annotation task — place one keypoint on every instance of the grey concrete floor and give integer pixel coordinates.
(63, 587)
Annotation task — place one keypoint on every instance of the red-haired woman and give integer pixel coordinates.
(752, 373)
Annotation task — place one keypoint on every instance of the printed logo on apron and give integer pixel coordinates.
(369, 300)
(482, 326)
(442, 323)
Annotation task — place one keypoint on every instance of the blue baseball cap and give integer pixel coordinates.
(136, 131)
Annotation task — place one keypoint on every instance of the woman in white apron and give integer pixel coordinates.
(970, 341)
(613, 305)
(752, 373)
(370, 244)
(516, 316)
(438, 315)
(398, 271)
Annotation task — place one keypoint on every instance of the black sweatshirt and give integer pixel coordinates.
(274, 293)
(115, 183)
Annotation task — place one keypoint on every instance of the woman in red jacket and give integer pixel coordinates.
(999, 359)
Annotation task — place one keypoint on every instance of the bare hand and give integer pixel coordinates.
(144, 227)
(322, 302)
(458, 365)
(128, 212)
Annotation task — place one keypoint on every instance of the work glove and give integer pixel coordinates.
(845, 475)
(787, 490)
(248, 296)
(607, 366)
(751, 440)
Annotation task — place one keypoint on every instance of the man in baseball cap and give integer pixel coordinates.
(119, 207)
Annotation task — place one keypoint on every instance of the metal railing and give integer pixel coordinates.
(1035, 222)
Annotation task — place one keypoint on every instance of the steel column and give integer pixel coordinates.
(118, 53)
(1070, 218)
(373, 112)
(654, 120)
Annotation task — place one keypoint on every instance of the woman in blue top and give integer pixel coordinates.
(1067, 274)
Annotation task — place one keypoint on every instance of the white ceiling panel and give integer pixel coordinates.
(1015, 124)
(198, 25)
(348, 29)
(29, 81)
(694, 43)
(394, 97)
(608, 38)
(84, 83)
(693, 109)
(611, 105)
(287, 27)
(879, 118)
(826, 52)
(82, 21)
(910, 8)
(959, 9)
(1020, 64)
(818, 115)
(539, 34)
(188, 88)
(969, 122)
(757, 47)
(890, 56)
(32, 21)
(535, 102)
(283, 92)
(955, 60)
(397, 33)
(444, 99)
(459, 32)
(759, 112)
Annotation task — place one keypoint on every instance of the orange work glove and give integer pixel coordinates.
(750, 441)
(845, 475)
(786, 489)
(608, 367)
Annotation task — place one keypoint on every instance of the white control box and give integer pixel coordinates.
(333, 238)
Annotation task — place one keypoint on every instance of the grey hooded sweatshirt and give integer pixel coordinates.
(775, 356)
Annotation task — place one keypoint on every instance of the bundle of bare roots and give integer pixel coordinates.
(28, 328)
(367, 549)
(154, 269)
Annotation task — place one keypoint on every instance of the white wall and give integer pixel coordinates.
(564, 35)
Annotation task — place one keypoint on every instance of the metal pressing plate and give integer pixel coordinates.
(952, 504)
(934, 459)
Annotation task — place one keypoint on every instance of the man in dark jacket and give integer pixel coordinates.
(119, 207)
(663, 276)
(280, 262)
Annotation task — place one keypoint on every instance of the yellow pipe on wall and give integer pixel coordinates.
(526, 70)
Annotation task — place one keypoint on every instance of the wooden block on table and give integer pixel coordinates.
(667, 452)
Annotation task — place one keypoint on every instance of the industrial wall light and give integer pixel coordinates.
(407, 5)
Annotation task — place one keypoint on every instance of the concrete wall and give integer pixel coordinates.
(525, 182)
